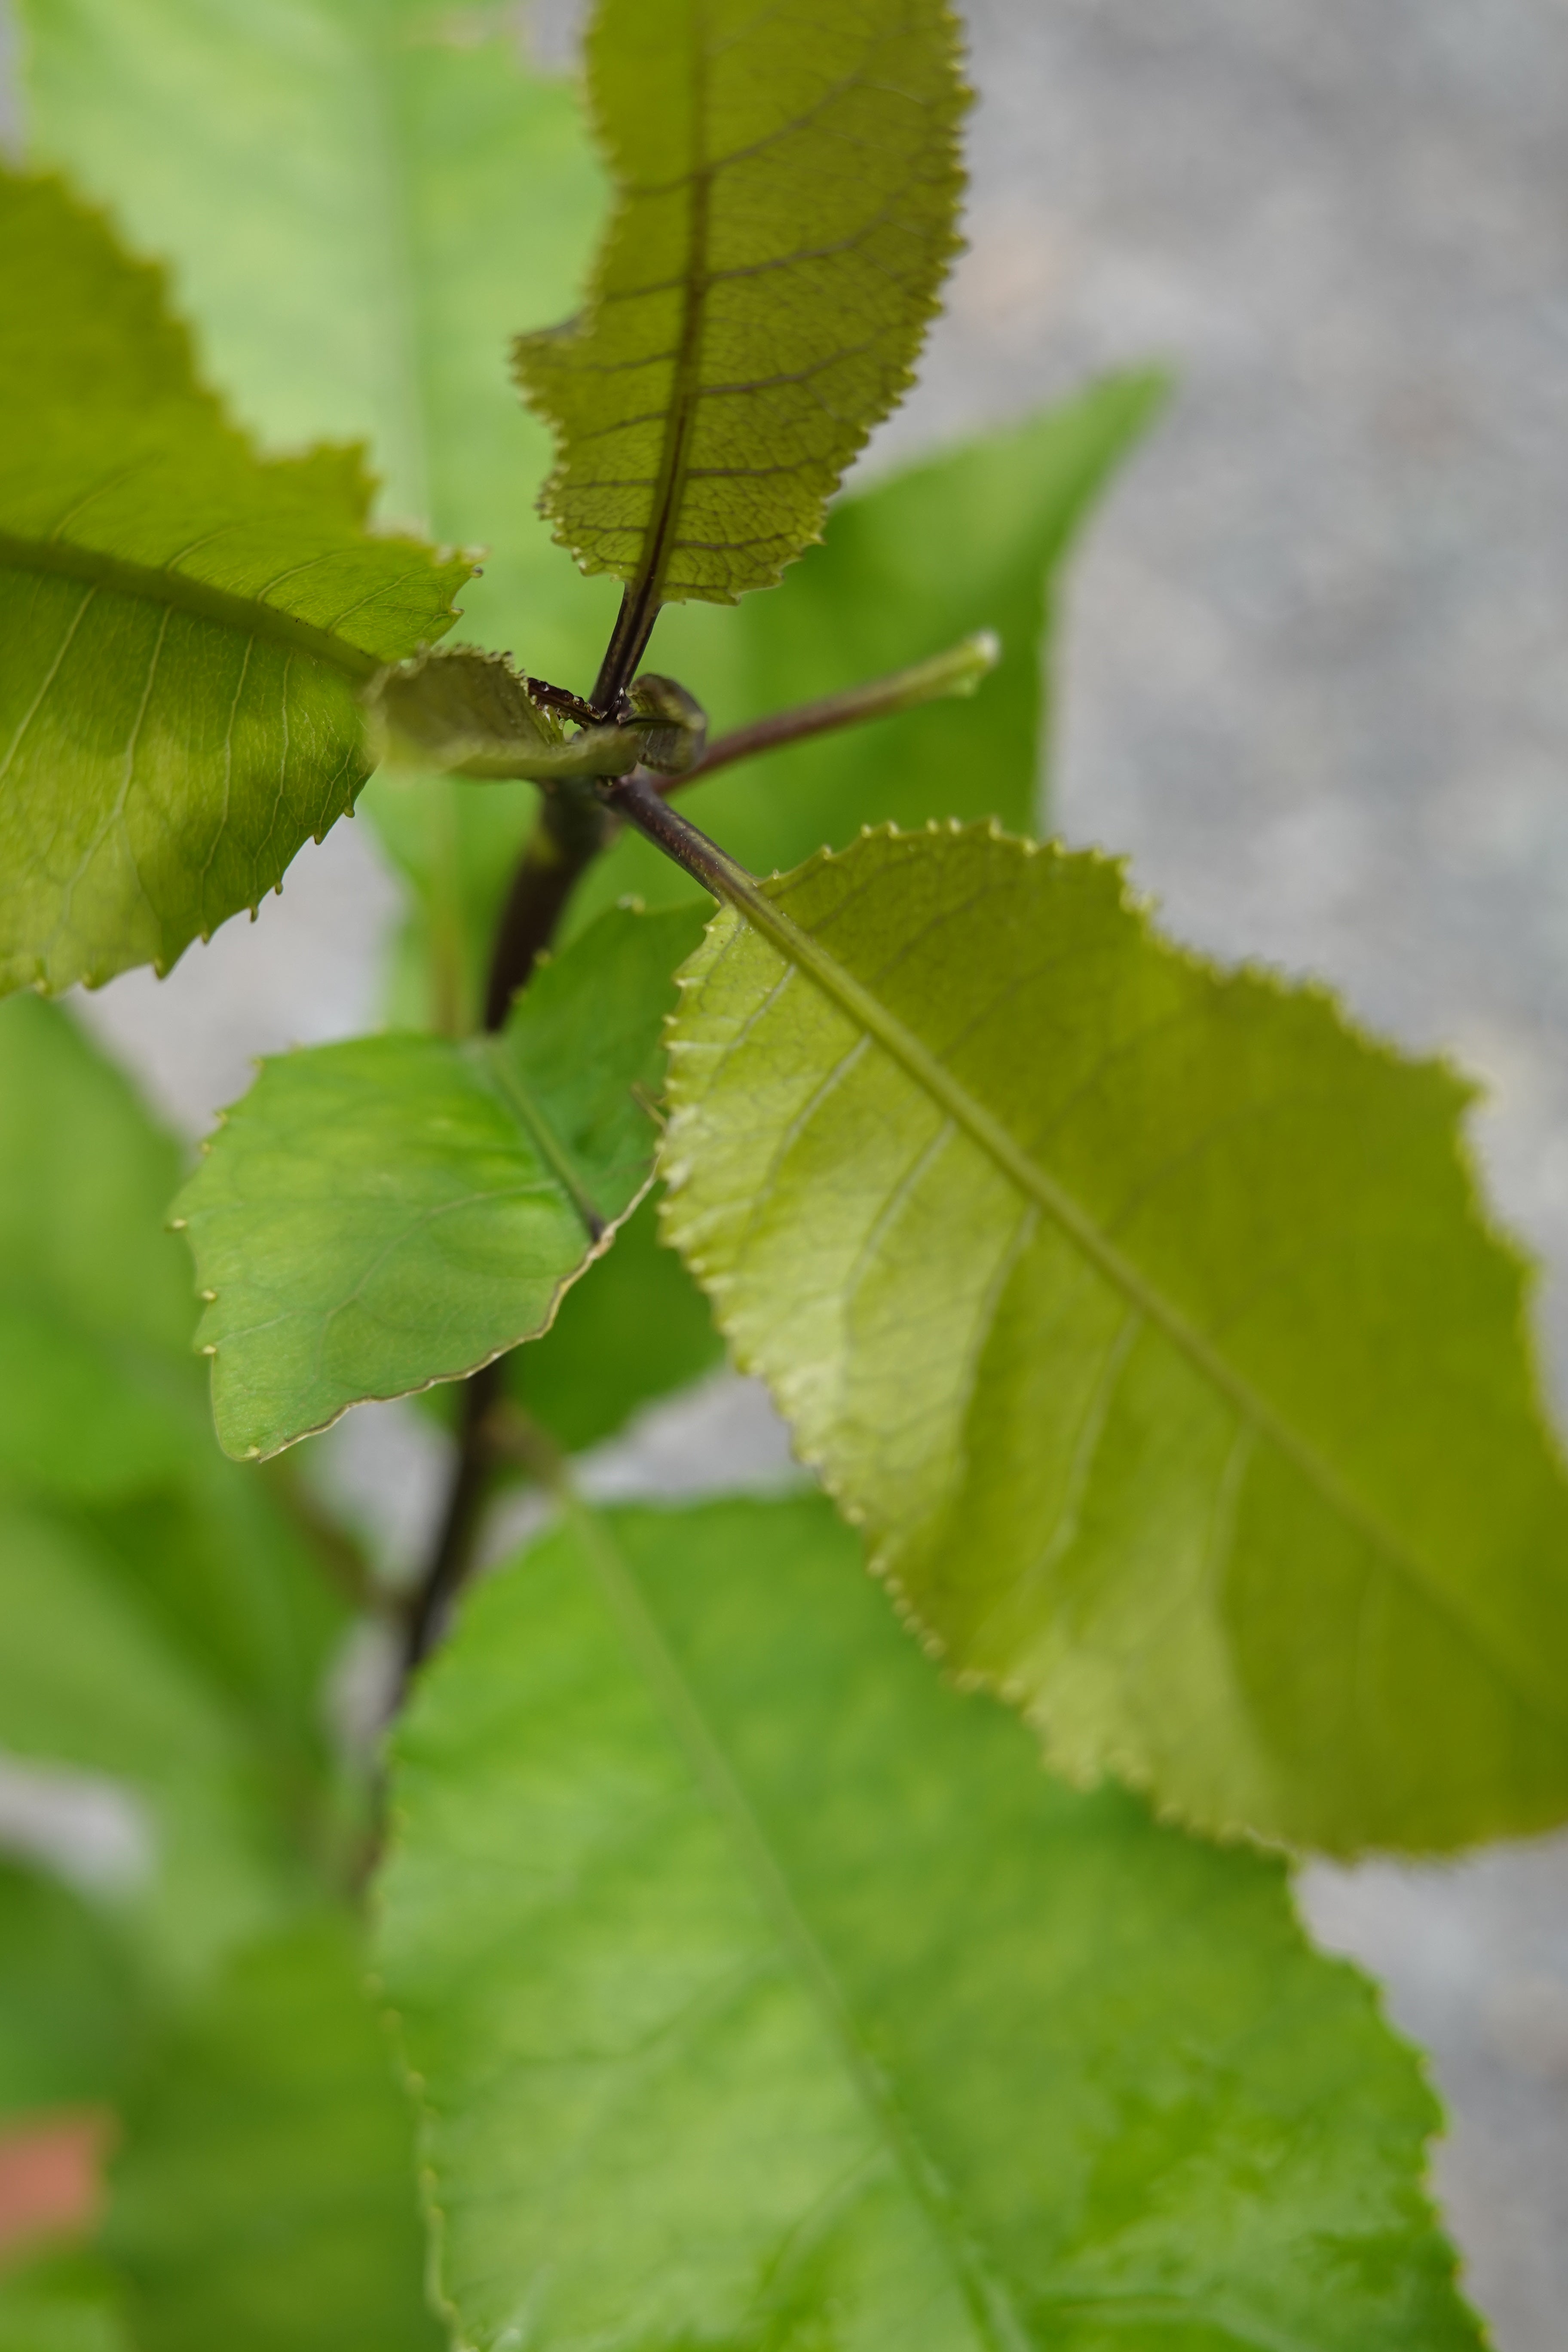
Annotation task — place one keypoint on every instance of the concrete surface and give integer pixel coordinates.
(1314, 681)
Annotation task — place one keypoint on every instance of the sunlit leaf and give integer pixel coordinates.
(378, 1216)
(264, 2199)
(760, 1989)
(788, 181)
(186, 625)
(1144, 1315)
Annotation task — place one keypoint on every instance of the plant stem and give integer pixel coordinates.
(453, 1554)
(959, 671)
(628, 643)
(571, 830)
(639, 799)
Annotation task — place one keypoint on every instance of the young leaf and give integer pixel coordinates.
(379, 1215)
(264, 2199)
(186, 624)
(760, 1989)
(1144, 1315)
(788, 183)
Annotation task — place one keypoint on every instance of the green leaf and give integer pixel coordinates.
(788, 184)
(974, 537)
(186, 624)
(166, 1623)
(379, 1216)
(264, 2200)
(70, 1998)
(255, 151)
(61, 2302)
(86, 1178)
(1143, 1315)
(635, 1328)
(90, 1681)
(761, 1990)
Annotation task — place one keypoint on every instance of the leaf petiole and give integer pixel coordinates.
(954, 675)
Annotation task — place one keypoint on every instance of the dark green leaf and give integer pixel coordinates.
(761, 1990)
(379, 1216)
(1145, 1317)
(635, 1328)
(186, 625)
(788, 184)
(265, 2197)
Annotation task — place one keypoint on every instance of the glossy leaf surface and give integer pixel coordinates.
(788, 183)
(761, 1988)
(1145, 1317)
(186, 624)
(381, 1214)
(264, 2199)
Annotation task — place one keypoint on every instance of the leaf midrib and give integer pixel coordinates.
(985, 2296)
(156, 584)
(866, 1011)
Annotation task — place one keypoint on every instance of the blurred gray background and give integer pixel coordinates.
(1312, 677)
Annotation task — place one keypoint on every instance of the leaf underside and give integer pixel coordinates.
(759, 1988)
(378, 1216)
(788, 181)
(186, 625)
(1145, 1317)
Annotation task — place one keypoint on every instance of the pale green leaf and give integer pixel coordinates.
(379, 1216)
(788, 181)
(186, 625)
(761, 1990)
(264, 2200)
(1144, 1315)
